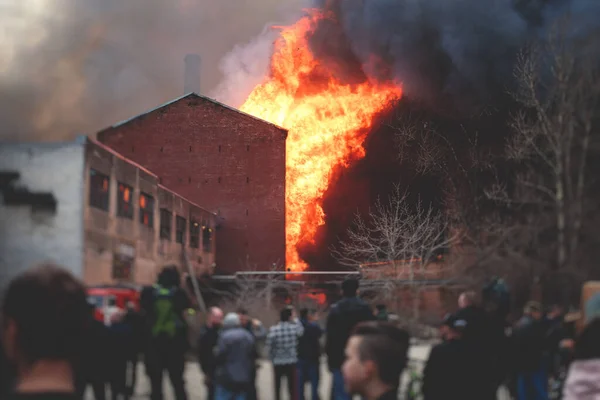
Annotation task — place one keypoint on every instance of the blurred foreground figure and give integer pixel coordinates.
(164, 305)
(44, 325)
(376, 355)
(583, 380)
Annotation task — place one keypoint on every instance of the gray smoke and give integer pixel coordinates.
(451, 53)
(75, 66)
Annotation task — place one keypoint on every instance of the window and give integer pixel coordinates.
(179, 229)
(165, 223)
(219, 180)
(247, 147)
(194, 234)
(146, 210)
(219, 148)
(125, 201)
(99, 190)
(207, 238)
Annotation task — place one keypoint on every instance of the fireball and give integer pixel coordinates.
(327, 122)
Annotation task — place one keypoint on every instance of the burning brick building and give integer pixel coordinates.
(229, 161)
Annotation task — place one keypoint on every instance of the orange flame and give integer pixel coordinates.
(327, 121)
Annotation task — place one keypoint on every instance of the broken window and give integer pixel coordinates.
(180, 223)
(146, 210)
(165, 223)
(125, 201)
(194, 234)
(207, 238)
(99, 190)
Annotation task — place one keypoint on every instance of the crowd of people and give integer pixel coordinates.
(57, 348)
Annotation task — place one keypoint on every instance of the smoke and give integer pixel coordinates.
(455, 54)
(76, 66)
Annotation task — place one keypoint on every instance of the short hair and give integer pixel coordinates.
(386, 345)
(380, 307)
(304, 312)
(350, 287)
(285, 314)
(169, 276)
(50, 310)
(242, 311)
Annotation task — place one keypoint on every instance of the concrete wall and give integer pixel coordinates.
(228, 162)
(29, 236)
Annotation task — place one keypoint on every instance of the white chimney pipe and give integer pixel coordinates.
(191, 82)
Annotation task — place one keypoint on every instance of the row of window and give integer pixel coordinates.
(100, 196)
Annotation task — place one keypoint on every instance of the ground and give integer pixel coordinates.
(196, 389)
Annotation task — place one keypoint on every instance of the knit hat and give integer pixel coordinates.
(231, 320)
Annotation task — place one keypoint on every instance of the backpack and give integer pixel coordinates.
(166, 320)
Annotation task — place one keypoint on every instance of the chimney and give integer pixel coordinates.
(192, 74)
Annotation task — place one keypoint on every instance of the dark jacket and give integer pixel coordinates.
(309, 346)
(529, 342)
(207, 344)
(235, 357)
(343, 317)
(449, 373)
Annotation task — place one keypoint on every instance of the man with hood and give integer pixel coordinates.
(343, 317)
(235, 357)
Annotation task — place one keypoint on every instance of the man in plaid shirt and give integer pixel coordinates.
(282, 342)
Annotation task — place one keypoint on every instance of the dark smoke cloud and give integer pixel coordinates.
(450, 53)
(75, 66)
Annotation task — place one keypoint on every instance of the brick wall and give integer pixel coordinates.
(226, 161)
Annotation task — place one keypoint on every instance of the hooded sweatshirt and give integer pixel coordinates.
(583, 381)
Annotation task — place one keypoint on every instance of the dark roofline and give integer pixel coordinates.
(161, 186)
(118, 124)
(121, 156)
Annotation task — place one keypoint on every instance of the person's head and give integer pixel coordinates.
(130, 306)
(587, 345)
(304, 314)
(215, 317)
(555, 311)
(285, 314)
(243, 314)
(455, 327)
(169, 276)
(350, 287)
(467, 299)
(533, 309)
(231, 320)
(376, 354)
(380, 307)
(45, 315)
(112, 301)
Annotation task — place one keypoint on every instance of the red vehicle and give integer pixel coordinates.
(101, 297)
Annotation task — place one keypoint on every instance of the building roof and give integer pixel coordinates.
(196, 95)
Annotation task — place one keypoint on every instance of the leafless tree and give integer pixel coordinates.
(405, 238)
(553, 142)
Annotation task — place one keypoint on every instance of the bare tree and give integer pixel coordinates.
(559, 90)
(405, 238)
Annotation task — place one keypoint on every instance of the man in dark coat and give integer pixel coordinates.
(207, 343)
(451, 370)
(343, 317)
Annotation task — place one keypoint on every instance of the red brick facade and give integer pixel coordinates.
(228, 162)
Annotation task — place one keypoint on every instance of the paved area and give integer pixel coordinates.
(196, 389)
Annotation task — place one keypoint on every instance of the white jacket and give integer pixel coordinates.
(583, 381)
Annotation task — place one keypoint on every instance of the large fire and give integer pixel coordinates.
(327, 122)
